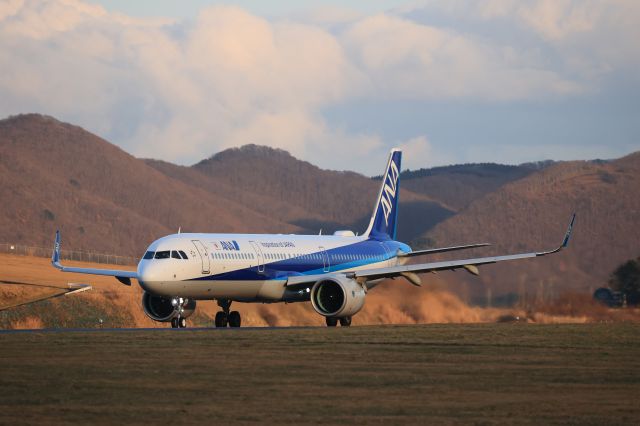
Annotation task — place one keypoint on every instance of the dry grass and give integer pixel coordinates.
(394, 302)
(434, 374)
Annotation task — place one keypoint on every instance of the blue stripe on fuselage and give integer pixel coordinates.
(340, 258)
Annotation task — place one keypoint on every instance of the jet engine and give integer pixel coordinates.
(164, 309)
(337, 297)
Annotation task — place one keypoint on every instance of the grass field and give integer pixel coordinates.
(429, 374)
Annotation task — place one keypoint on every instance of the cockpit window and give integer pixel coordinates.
(163, 254)
(175, 255)
(149, 255)
(183, 254)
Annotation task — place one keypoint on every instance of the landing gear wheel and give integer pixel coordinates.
(234, 319)
(221, 319)
(331, 321)
(174, 323)
(345, 321)
(182, 322)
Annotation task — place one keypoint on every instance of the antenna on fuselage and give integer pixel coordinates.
(320, 233)
(179, 229)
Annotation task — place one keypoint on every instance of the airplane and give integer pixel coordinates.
(333, 272)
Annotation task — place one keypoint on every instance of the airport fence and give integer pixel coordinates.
(77, 255)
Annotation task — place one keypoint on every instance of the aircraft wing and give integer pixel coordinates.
(409, 271)
(123, 276)
(468, 264)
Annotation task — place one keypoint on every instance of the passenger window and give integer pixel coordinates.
(149, 255)
(162, 254)
(183, 254)
(175, 255)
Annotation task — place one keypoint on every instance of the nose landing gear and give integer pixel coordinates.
(179, 304)
(224, 317)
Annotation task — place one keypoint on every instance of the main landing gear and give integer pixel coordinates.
(179, 322)
(224, 317)
(333, 321)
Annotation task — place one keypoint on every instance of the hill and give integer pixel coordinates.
(532, 213)
(56, 175)
(273, 182)
(457, 186)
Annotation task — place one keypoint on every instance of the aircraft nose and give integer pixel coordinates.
(147, 273)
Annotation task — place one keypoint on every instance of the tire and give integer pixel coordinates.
(174, 322)
(234, 319)
(182, 322)
(221, 319)
(345, 322)
(331, 321)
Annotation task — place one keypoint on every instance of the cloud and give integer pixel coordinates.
(417, 153)
(410, 60)
(182, 90)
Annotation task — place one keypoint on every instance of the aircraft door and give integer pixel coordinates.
(259, 256)
(204, 255)
(325, 259)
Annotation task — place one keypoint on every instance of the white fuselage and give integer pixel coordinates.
(253, 267)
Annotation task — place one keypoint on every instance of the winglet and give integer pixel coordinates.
(565, 241)
(567, 236)
(55, 257)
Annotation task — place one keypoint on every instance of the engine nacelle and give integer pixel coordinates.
(164, 309)
(337, 297)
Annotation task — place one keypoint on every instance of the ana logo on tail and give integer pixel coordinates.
(389, 191)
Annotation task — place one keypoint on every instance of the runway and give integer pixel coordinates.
(152, 329)
(420, 374)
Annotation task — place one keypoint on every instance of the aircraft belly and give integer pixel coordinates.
(214, 289)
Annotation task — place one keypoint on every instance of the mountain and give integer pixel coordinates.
(56, 175)
(457, 186)
(532, 214)
(275, 183)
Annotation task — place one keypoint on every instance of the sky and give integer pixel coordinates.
(454, 81)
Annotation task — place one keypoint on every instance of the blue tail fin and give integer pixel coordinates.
(385, 214)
